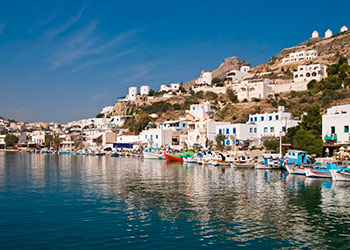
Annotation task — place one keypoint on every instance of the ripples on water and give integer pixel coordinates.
(50, 201)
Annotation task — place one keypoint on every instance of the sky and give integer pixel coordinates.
(65, 60)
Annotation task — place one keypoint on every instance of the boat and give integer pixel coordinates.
(173, 157)
(64, 153)
(322, 171)
(268, 163)
(152, 155)
(341, 174)
(296, 161)
(114, 154)
(99, 153)
(243, 161)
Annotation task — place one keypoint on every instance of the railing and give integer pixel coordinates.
(331, 137)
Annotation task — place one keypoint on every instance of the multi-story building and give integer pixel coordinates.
(201, 111)
(156, 137)
(173, 87)
(306, 73)
(271, 125)
(205, 78)
(336, 125)
(300, 56)
(254, 88)
(235, 76)
(239, 134)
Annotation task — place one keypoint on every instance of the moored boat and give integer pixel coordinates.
(152, 155)
(341, 174)
(268, 163)
(173, 157)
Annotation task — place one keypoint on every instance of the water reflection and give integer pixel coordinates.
(154, 202)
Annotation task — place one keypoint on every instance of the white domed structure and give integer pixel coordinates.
(315, 34)
(132, 93)
(344, 29)
(328, 33)
(144, 90)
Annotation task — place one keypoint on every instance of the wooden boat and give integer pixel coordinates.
(297, 169)
(173, 157)
(322, 171)
(220, 163)
(341, 175)
(268, 163)
(152, 155)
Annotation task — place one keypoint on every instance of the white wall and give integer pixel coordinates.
(238, 133)
(337, 117)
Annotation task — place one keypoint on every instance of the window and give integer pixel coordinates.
(256, 118)
(346, 129)
(332, 130)
(272, 130)
(265, 130)
(227, 142)
(251, 119)
(220, 131)
(251, 130)
(156, 136)
(184, 125)
(283, 129)
(164, 125)
(234, 130)
(145, 136)
(255, 130)
(227, 131)
(151, 137)
(270, 118)
(262, 118)
(277, 117)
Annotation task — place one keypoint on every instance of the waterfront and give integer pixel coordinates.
(53, 201)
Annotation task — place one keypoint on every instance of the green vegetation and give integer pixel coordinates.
(307, 135)
(231, 95)
(219, 139)
(100, 116)
(272, 144)
(217, 82)
(137, 122)
(11, 140)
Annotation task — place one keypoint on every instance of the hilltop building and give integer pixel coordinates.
(235, 76)
(315, 34)
(252, 88)
(173, 87)
(307, 73)
(344, 29)
(300, 56)
(205, 78)
(199, 112)
(328, 33)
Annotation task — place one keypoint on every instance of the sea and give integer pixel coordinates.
(100, 202)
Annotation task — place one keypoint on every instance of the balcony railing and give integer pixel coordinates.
(331, 137)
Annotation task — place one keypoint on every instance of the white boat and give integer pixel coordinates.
(311, 172)
(152, 155)
(295, 170)
(268, 163)
(341, 175)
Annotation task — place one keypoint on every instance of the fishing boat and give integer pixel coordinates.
(268, 163)
(114, 154)
(341, 174)
(322, 171)
(242, 161)
(152, 155)
(297, 161)
(173, 157)
(64, 153)
(100, 153)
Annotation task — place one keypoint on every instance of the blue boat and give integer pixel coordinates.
(296, 161)
(322, 171)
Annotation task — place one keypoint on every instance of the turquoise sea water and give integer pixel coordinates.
(89, 202)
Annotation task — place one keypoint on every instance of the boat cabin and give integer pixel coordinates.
(297, 157)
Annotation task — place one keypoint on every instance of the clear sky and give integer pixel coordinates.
(65, 60)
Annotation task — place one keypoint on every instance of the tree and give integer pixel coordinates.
(11, 140)
(183, 90)
(308, 141)
(231, 95)
(151, 92)
(313, 120)
(100, 115)
(271, 144)
(219, 139)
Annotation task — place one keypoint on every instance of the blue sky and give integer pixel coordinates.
(65, 60)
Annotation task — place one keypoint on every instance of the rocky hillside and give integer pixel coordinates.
(230, 63)
(329, 50)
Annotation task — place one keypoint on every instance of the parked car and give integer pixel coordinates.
(271, 154)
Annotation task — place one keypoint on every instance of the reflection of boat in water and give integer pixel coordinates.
(318, 182)
(172, 163)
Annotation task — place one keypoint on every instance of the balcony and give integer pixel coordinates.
(331, 137)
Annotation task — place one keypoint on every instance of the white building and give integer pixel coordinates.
(131, 96)
(173, 87)
(272, 124)
(118, 120)
(336, 124)
(300, 56)
(201, 132)
(307, 73)
(315, 34)
(156, 137)
(344, 29)
(328, 33)
(240, 134)
(200, 112)
(38, 137)
(236, 76)
(205, 78)
(144, 90)
(176, 125)
(107, 110)
(245, 69)
(254, 88)
(2, 142)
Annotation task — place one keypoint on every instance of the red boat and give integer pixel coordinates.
(172, 157)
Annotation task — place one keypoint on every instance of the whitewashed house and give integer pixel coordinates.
(156, 137)
(144, 90)
(328, 33)
(173, 87)
(306, 73)
(107, 110)
(274, 124)
(253, 88)
(239, 134)
(235, 76)
(205, 78)
(176, 125)
(336, 124)
(300, 56)
(200, 112)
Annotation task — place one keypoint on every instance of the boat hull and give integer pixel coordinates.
(309, 172)
(151, 155)
(295, 170)
(171, 157)
(339, 176)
